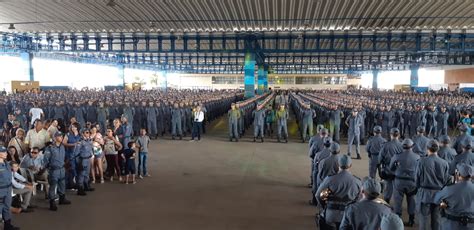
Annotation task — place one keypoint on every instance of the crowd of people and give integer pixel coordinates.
(418, 161)
(62, 140)
(420, 145)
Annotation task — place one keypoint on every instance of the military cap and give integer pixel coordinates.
(335, 148)
(465, 170)
(394, 131)
(420, 129)
(444, 139)
(377, 129)
(407, 143)
(371, 186)
(345, 161)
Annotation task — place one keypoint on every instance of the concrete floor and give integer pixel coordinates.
(212, 184)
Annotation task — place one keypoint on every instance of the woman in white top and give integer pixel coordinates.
(111, 147)
(198, 117)
(98, 157)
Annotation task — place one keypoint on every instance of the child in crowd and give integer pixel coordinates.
(142, 144)
(129, 157)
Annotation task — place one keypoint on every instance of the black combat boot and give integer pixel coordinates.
(230, 139)
(236, 139)
(7, 225)
(52, 206)
(181, 137)
(81, 192)
(173, 137)
(411, 221)
(63, 200)
(88, 188)
(262, 139)
(254, 139)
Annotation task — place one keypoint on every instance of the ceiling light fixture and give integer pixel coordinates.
(12, 26)
(111, 3)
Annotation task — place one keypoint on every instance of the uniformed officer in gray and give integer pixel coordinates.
(420, 141)
(102, 116)
(463, 136)
(151, 122)
(466, 156)
(337, 191)
(368, 212)
(307, 124)
(354, 122)
(373, 147)
(389, 149)
(442, 118)
(446, 152)
(456, 201)
(318, 157)
(83, 154)
(282, 116)
(403, 166)
(258, 122)
(330, 165)
(176, 129)
(234, 116)
(5, 190)
(431, 175)
(53, 160)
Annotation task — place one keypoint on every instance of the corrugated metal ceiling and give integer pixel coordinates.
(230, 15)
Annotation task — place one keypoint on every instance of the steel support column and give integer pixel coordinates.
(27, 66)
(265, 78)
(414, 76)
(249, 75)
(375, 79)
(261, 80)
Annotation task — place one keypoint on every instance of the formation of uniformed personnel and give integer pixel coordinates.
(456, 201)
(373, 148)
(431, 175)
(466, 156)
(317, 158)
(54, 158)
(316, 145)
(403, 166)
(337, 191)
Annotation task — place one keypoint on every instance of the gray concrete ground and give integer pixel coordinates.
(212, 184)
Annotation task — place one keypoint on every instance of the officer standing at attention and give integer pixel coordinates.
(373, 147)
(445, 151)
(5, 190)
(431, 175)
(354, 122)
(102, 116)
(54, 156)
(465, 135)
(308, 115)
(151, 124)
(389, 149)
(330, 165)
(442, 118)
(335, 123)
(337, 191)
(258, 122)
(466, 156)
(234, 117)
(456, 201)
(404, 165)
(83, 154)
(282, 118)
(368, 212)
(420, 141)
(176, 122)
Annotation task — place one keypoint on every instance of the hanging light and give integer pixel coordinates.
(12, 26)
(111, 3)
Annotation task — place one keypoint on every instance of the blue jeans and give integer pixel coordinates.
(142, 156)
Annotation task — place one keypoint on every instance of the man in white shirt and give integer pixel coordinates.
(37, 137)
(198, 116)
(21, 187)
(36, 113)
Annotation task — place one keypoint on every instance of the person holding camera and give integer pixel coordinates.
(198, 116)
